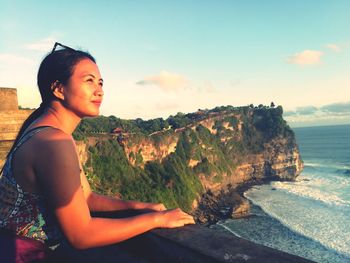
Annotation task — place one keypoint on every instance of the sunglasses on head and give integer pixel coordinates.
(62, 46)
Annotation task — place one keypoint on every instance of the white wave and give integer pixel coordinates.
(332, 166)
(309, 190)
(324, 225)
(312, 164)
(333, 182)
(230, 230)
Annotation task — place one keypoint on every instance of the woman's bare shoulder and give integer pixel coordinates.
(54, 152)
(52, 133)
(56, 165)
(53, 141)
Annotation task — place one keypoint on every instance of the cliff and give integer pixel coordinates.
(182, 160)
(189, 156)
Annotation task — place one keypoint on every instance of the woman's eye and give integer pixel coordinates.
(90, 80)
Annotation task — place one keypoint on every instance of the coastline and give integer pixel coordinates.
(228, 203)
(261, 228)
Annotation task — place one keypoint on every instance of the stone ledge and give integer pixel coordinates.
(201, 244)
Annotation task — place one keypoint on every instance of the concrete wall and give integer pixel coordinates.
(11, 120)
(8, 99)
(198, 244)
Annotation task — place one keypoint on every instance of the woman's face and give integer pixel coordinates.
(83, 93)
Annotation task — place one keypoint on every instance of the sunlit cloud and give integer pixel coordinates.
(166, 81)
(10, 59)
(306, 57)
(333, 47)
(44, 45)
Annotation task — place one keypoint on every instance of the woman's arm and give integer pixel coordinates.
(57, 170)
(99, 203)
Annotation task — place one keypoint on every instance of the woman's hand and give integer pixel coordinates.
(173, 218)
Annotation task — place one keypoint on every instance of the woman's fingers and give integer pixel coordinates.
(175, 218)
(161, 207)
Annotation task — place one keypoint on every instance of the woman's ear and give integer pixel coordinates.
(57, 90)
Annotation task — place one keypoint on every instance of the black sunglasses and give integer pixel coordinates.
(60, 45)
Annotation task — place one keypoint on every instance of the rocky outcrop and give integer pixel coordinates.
(227, 203)
(279, 160)
(82, 151)
(148, 149)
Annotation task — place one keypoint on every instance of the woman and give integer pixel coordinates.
(45, 195)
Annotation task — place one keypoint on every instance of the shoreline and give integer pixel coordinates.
(228, 203)
(261, 228)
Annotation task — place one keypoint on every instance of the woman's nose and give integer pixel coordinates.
(99, 91)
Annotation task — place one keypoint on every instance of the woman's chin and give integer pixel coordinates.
(90, 114)
(94, 114)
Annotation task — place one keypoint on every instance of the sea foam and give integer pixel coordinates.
(305, 189)
(303, 215)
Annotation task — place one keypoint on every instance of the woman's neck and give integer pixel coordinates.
(59, 117)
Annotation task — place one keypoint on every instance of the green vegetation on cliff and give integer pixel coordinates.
(209, 144)
(171, 182)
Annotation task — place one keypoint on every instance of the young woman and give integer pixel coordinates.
(44, 194)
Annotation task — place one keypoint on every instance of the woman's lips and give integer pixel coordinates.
(97, 102)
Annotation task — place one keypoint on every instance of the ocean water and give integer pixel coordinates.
(310, 217)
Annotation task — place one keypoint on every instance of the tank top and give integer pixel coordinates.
(24, 213)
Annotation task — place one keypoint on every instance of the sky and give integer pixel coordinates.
(158, 58)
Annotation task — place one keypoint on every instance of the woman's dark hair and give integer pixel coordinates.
(56, 66)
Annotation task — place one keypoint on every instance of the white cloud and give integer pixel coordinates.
(306, 57)
(340, 108)
(334, 47)
(44, 45)
(166, 81)
(10, 59)
(330, 114)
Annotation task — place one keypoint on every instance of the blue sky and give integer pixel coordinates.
(162, 57)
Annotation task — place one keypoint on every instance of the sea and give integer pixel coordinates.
(311, 216)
